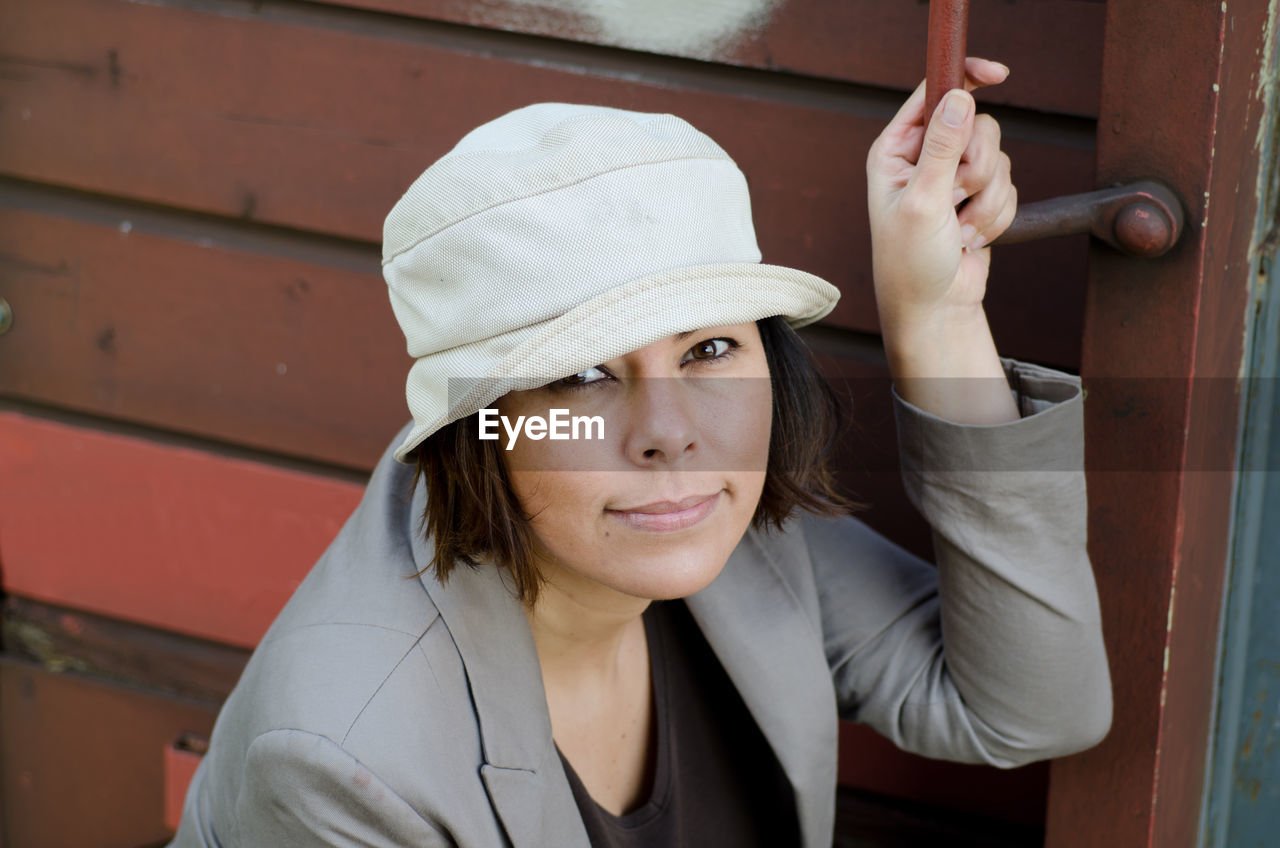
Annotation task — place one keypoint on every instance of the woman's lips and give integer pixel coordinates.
(668, 515)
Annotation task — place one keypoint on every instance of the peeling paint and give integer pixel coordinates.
(39, 645)
(1268, 229)
(669, 26)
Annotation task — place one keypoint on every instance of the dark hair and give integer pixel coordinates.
(472, 513)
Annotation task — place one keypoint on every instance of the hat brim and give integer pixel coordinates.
(446, 386)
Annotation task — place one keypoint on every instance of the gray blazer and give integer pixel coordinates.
(387, 709)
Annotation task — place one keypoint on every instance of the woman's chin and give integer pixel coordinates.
(666, 580)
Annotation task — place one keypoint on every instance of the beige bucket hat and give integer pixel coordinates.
(560, 236)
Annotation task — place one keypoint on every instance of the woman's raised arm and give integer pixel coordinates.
(930, 261)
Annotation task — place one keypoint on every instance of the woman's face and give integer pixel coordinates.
(654, 508)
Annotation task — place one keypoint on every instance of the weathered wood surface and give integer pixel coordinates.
(1054, 46)
(1159, 538)
(292, 136)
(240, 346)
(60, 638)
(83, 758)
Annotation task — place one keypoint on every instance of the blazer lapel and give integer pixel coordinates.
(772, 651)
(521, 770)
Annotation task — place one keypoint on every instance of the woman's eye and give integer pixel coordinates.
(583, 378)
(711, 349)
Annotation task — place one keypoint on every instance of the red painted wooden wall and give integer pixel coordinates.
(202, 363)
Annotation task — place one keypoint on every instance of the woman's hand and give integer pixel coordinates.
(930, 262)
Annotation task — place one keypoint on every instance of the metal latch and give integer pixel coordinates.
(1141, 219)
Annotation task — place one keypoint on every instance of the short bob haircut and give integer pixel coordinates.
(472, 514)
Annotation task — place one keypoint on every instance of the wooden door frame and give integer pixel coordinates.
(1163, 349)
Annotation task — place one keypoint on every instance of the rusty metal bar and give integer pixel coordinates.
(948, 36)
(1141, 219)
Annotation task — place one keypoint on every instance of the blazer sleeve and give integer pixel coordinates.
(996, 655)
(300, 789)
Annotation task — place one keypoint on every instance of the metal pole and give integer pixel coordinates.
(948, 36)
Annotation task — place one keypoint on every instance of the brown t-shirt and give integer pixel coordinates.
(716, 780)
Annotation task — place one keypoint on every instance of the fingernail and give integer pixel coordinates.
(955, 108)
(957, 196)
(967, 232)
(1007, 70)
(977, 244)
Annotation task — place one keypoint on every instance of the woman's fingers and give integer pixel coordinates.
(978, 73)
(904, 133)
(982, 157)
(983, 72)
(946, 139)
(989, 213)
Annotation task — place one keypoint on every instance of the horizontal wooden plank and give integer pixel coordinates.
(63, 639)
(166, 536)
(294, 137)
(259, 350)
(83, 758)
(1054, 46)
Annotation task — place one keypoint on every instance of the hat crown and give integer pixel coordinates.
(549, 206)
(535, 149)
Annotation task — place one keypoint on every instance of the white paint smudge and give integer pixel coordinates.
(668, 26)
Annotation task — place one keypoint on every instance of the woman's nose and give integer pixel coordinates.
(662, 422)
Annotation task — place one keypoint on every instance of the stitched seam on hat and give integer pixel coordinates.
(548, 190)
(497, 335)
(738, 269)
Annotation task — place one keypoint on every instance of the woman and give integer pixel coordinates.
(646, 636)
